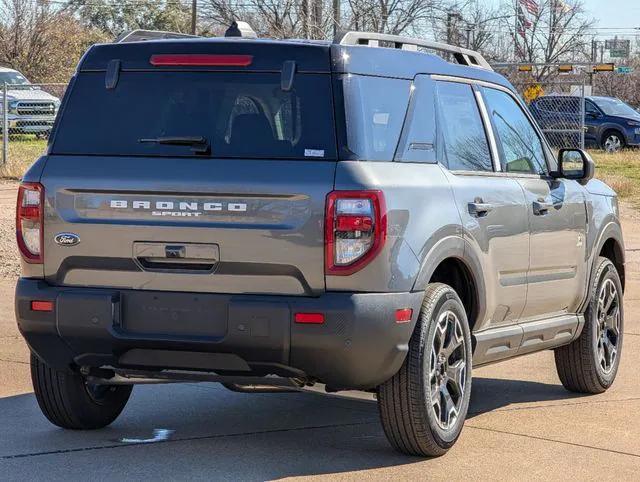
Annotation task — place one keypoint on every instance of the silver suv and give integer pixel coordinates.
(269, 214)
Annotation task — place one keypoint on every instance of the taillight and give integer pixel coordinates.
(355, 230)
(29, 221)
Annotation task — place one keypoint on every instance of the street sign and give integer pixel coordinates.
(618, 48)
(624, 70)
(619, 53)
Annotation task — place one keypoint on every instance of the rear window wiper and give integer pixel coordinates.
(198, 144)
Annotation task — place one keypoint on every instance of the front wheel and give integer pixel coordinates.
(590, 363)
(68, 401)
(424, 405)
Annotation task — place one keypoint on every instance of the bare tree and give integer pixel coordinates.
(472, 24)
(315, 18)
(43, 43)
(389, 16)
(557, 33)
(625, 87)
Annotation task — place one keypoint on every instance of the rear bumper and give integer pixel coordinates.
(358, 346)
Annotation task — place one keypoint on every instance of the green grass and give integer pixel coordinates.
(23, 151)
(621, 171)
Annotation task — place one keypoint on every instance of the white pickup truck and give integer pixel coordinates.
(30, 110)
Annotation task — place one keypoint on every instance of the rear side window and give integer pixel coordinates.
(375, 108)
(464, 139)
(245, 115)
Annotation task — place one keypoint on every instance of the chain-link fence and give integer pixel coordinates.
(28, 112)
(559, 108)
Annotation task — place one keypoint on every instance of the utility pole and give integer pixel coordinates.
(305, 19)
(194, 16)
(317, 18)
(451, 17)
(470, 28)
(594, 59)
(336, 16)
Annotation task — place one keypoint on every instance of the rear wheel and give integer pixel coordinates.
(612, 141)
(590, 363)
(68, 401)
(423, 406)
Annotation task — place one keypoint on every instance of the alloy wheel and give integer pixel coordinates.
(447, 371)
(608, 325)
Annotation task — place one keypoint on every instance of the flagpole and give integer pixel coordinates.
(515, 31)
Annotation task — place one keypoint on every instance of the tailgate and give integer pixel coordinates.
(187, 224)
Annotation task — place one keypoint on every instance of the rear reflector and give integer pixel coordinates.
(309, 318)
(42, 306)
(404, 315)
(201, 60)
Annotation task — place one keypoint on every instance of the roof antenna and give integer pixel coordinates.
(240, 29)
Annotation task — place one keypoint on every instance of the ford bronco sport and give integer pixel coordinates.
(360, 214)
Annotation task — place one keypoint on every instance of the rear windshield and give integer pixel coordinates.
(245, 115)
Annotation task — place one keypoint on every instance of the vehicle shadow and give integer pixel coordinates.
(236, 436)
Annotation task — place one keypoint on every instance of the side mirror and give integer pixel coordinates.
(575, 164)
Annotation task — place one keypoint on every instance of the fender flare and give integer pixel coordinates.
(457, 248)
(611, 230)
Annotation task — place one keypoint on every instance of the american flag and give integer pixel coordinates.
(523, 23)
(530, 5)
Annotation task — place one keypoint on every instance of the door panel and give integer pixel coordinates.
(491, 206)
(557, 272)
(499, 237)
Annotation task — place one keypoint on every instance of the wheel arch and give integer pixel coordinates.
(613, 250)
(612, 128)
(450, 263)
(610, 244)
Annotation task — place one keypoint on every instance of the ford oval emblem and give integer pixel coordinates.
(67, 239)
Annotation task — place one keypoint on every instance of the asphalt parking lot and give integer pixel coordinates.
(522, 425)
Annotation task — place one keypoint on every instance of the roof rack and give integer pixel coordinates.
(463, 56)
(140, 35)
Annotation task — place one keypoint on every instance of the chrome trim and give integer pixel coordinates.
(488, 128)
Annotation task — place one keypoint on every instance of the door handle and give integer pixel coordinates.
(540, 208)
(479, 209)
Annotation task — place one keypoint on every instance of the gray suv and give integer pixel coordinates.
(265, 214)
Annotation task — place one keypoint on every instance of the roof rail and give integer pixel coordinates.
(140, 35)
(463, 56)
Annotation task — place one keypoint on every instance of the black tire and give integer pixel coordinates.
(68, 402)
(408, 415)
(612, 133)
(579, 365)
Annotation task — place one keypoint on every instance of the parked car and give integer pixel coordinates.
(267, 213)
(30, 110)
(609, 123)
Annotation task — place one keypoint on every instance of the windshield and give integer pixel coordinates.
(13, 78)
(615, 107)
(245, 115)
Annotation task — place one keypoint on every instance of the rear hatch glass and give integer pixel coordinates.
(239, 115)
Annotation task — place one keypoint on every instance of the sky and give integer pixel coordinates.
(613, 14)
